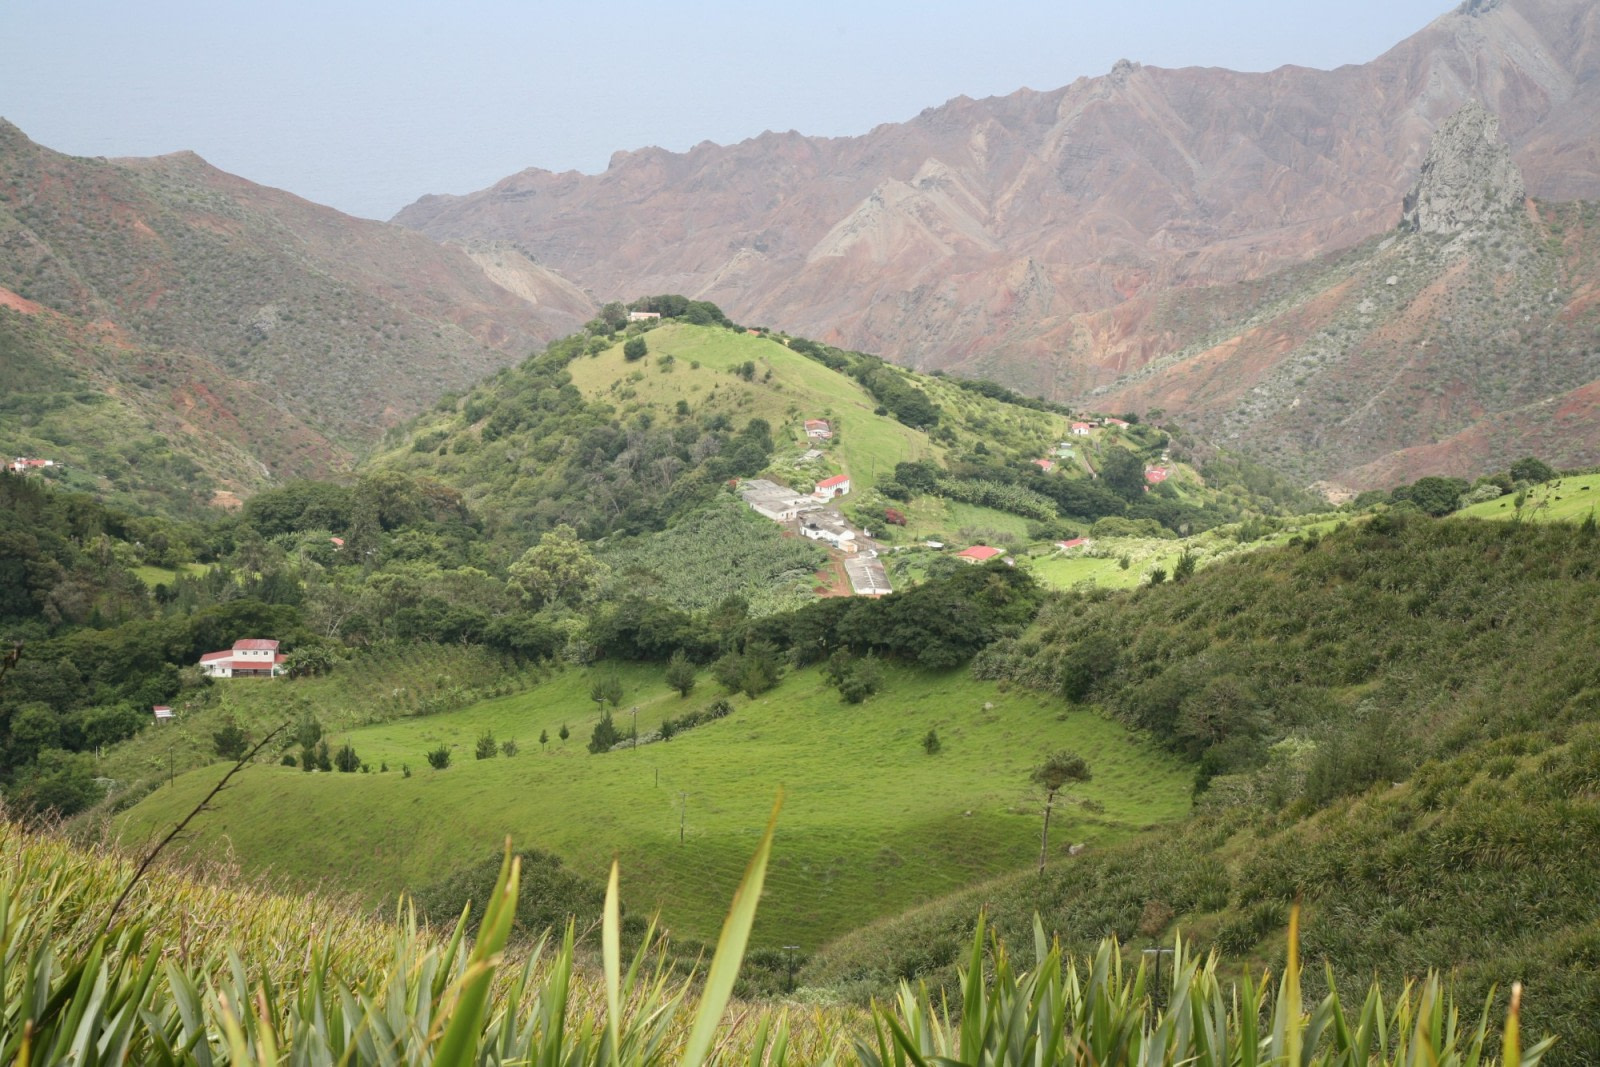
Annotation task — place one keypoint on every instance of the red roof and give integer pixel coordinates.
(255, 644)
(212, 657)
(1115, 422)
(1074, 543)
(979, 552)
(837, 479)
(1081, 426)
(1045, 464)
(1156, 474)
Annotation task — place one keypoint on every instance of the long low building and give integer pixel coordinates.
(777, 502)
(867, 576)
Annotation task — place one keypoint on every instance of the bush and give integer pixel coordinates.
(931, 743)
(508, 747)
(231, 742)
(438, 759)
(487, 747)
(346, 759)
(635, 349)
(605, 735)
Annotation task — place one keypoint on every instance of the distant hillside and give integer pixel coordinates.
(238, 320)
(1463, 340)
(1039, 238)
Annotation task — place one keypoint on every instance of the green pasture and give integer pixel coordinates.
(865, 446)
(872, 824)
(1569, 499)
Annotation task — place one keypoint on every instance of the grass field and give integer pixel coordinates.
(865, 446)
(1570, 499)
(154, 576)
(872, 824)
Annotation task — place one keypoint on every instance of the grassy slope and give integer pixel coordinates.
(866, 446)
(1569, 499)
(872, 824)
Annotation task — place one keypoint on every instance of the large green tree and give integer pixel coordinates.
(557, 570)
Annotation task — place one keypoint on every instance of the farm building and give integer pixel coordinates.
(867, 576)
(818, 429)
(829, 488)
(1081, 429)
(831, 531)
(776, 502)
(978, 554)
(643, 316)
(251, 657)
(24, 465)
(1155, 475)
(1118, 423)
(1076, 542)
(1046, 465)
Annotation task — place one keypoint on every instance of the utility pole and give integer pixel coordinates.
(683, 809)
(790, 950)
(635, 710)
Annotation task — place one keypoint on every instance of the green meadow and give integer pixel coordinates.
(1569, 499)
(866, 446)
(872, 823)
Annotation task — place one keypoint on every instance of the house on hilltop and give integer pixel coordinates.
(818, 429)
(24, 465)
(1081, 429)
(1155, 475)
(978, 554)
(643, 316)
(250, 657)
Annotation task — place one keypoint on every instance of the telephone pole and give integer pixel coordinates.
(683, 809)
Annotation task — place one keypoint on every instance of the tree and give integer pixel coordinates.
(544, 739)
(635, 349)
(564, 733)
(680, 673)
(1054, 773)
(346, 759)
(1123, 473)
(324, 757)
(557, 570)
(439, 758)
(605, 735)
(231, 742)
(508, 747)
(605, 689)
(1183, 570)
(487, 747)
(931, 743)
(1532, 469)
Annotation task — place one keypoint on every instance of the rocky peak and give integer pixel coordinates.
(1467, 178)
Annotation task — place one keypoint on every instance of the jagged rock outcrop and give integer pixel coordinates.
(1468, 178)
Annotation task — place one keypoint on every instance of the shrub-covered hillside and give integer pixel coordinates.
(1397, 722)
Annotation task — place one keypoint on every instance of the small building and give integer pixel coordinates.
(24, 465)
(643, 316)
(336, 542)
(1076, 542)
(776, 502)
(867, 576)
(978, 554)
(1063, 449)
(161, 711)
(831, 531)
(1155, 475)
(251, 657)
(1081, 429)
(1046, 465)
(818, 429)
(1118, 423)
(829, 488)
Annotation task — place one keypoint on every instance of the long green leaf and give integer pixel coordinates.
(730, 948)
(458, 1047)
(611, 952)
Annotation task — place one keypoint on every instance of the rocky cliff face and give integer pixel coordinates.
(1457, 344)
(1468, 180)
(1050, 238)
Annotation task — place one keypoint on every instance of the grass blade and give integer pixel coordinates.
(730, 949)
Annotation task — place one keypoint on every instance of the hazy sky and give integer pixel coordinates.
(367, 106)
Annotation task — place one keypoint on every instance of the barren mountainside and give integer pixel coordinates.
(220, 307)
(1042, 238)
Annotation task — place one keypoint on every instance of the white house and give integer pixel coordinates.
(643, 316)
(1081, 429)
(830, 531)
(771, 500)
(829, 488)
(819, 429)
(251, 657)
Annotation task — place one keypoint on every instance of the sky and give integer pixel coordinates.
(367, 106)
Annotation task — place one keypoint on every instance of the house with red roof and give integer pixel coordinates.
(1046, 465)
(1155, 475)
(819, 429)
(978, 554)
(24, 465)
(829, 488)
(250, 657)
(1118, 423)
(1076, 542)
(1081, 429)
